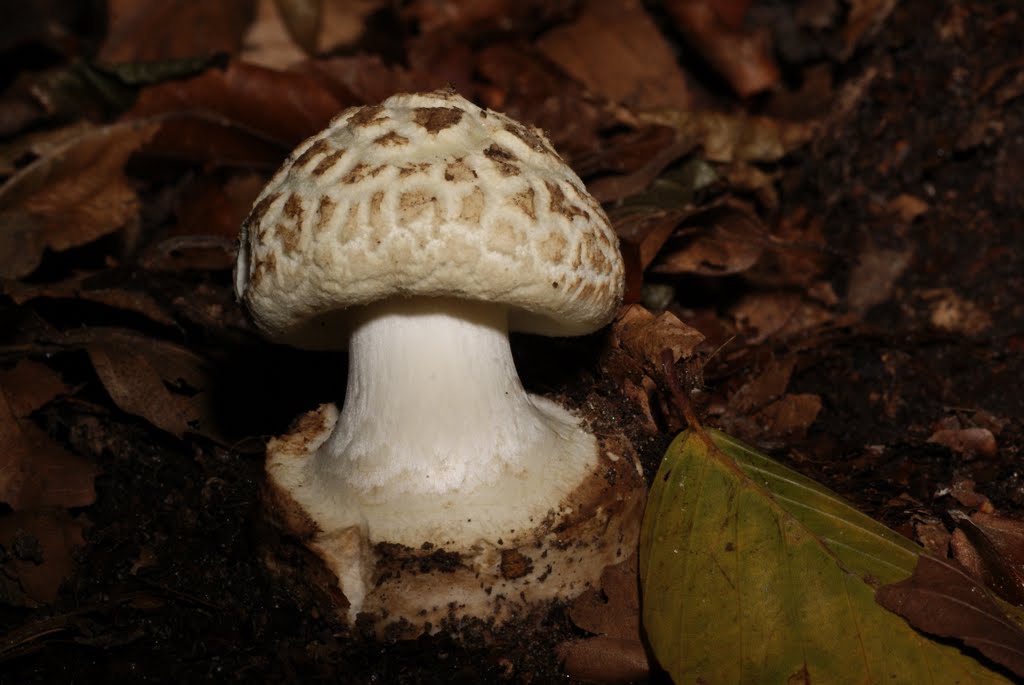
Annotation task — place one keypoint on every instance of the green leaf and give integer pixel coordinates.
(751, 573)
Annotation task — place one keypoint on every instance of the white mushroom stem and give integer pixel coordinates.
(434, 406)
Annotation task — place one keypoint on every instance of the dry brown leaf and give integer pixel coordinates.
(874, 277)
(764, 388)
(941, 599)
(35, 471)
(458, 16)
(29, 386)
(157, 380)
(104, 287)
(788, 418)
(644, 336)
(256, 104)
(74, 195)
(717, 241)
(777, 315)
(40, 549)
(367, 79)
(157, 30)
(744, 58)
(993, 548)
(612, 613)
(728, 138)
(971, 442)
(614, 48)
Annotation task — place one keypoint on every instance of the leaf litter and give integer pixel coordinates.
(829, 287)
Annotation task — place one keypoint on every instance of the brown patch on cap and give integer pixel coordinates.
(255, 217)
(458, 171)
(324, 213)
(553, 248)
(320, 147)
(350, 228)
(289, 232)
(502, 238)
(503, 159)
(391, 138)
(436, 119)
(525, 202)
(561, 205)
(416, 168)
(514, 564)
(367, 116)
(360, 172)
(472, 206)
(530, 137)
(413, 204)
(327, 163)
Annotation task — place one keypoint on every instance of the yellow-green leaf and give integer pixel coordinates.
(751, 573)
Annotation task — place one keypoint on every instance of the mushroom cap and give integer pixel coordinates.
(426, 195)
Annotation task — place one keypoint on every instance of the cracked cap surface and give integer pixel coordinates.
(426, 195)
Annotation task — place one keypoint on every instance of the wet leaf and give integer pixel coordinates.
(74, 195)
(751, 573)
(941, 599)
(39, 548)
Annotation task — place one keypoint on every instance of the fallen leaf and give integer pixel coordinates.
(744, 58)
(615, 49)
(110, 287)
(750, 572)
(615, 654)
(941, 599)
(764, 388)
(727, 137)
(874, 277)
(997, 545)
(158, 30)
(464, 16)
(157, 380)
(716, 241)
(29, 386)
(954, 314)
(644, 336)
(35, 471)
(39, 548)
(74, 195)
(248, 102)
(970, 442)
(764, 315)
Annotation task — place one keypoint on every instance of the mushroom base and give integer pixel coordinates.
(400, 591)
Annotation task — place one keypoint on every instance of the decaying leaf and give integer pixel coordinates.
(995, 545)
(615, 654)
(72, 196)
(941, 599)
(37, 549)
(717, 241)
(752, 573)
(614, 48)
(743, 57)
(162, 382)
(159, 30)
(644, 336)
(35, 471)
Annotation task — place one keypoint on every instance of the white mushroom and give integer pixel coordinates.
(418, 232)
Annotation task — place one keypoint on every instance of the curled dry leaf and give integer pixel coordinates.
(615, 49)
(717, 241)
(159, 30)
(643, 336)
(35, 471)
(72, 196)
(941, 599)
(40, 547)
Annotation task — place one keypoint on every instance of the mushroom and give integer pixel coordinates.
(418, 232)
